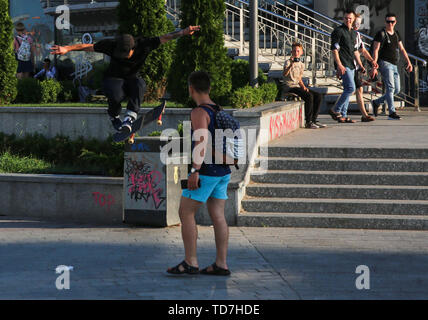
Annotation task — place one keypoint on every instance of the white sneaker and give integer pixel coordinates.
(320, 125)
(127, 124)
(311, 125)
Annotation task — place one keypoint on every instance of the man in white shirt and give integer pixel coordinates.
(48, 71)
(292, 76)
(359, 45)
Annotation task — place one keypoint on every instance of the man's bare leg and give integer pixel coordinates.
(360, 102)
(189, 230)
(221, 230)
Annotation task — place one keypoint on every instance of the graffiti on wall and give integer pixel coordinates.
(421, 26)
(144, 183)
(369, 10)
(282, 123)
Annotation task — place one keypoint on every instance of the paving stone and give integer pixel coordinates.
(124, 263)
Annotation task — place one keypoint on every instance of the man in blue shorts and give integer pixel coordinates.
(207, 183)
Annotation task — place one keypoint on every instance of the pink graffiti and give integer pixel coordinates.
(144, 186)
(103, 200)
(284, 123)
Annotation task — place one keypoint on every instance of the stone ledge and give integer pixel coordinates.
(56, 178)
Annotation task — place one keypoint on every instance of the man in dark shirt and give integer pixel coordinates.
(121, 80)
(343, 46)
(386, 48)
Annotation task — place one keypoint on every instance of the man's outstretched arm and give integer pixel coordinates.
(190, 30)
(76, 47)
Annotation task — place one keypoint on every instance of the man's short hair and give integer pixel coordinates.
(349, 11)
(390, 15)
(200, 81)
(47, 60)
(297, 44)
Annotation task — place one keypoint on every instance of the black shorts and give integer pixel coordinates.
(358, 79)
(25, 66)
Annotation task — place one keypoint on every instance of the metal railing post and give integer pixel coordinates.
(296, 27)
(254, 45)
(417, 93)
(241, 30)
(314, 64)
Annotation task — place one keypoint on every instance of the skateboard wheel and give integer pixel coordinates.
(159, 122)
(131, 139)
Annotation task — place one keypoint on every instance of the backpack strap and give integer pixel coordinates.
(215, 109)
(17, 40)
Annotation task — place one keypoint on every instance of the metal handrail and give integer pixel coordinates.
(313, 35)
(424, 62)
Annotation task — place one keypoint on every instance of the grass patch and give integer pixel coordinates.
(10, 163)
(61, 155)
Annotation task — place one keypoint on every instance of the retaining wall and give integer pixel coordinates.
(88, 199)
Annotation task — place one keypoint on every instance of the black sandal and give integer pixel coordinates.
(335, 116)
(216, 271)
(187, 269)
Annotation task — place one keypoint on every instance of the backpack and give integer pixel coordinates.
(24, 51)
(232, 147)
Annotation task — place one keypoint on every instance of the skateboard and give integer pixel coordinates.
(145, 119)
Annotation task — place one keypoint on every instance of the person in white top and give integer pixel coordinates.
(293, 83)
(24, 51)
(359, 45)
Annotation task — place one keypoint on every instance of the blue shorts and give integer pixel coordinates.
(211, 187)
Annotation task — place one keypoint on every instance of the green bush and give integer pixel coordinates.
(242, 98)
(148, 19)
(203, 51)
(69, 92)
(50, 89)
(29, 91)
(155, 134)
(269, 92)
(81, 155)
(240, 70)
(8, 63)
(248, 97)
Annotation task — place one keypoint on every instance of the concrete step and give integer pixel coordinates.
(344, 164)
(341, 177)
(354, 221)
(273, 190)
(342, 206)
(323, 152)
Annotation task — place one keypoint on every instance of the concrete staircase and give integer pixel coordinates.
(339, 188)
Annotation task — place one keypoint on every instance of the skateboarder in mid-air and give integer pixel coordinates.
(121, 79)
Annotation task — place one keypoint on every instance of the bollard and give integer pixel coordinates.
(151, 189)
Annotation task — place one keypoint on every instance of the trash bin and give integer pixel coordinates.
(151, 189)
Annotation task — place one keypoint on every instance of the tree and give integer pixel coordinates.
(148, 19)
(203, 51)
(8, 63)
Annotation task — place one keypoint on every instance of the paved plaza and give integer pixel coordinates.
(266, 263)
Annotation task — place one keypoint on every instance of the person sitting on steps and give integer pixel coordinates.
(293, 83)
